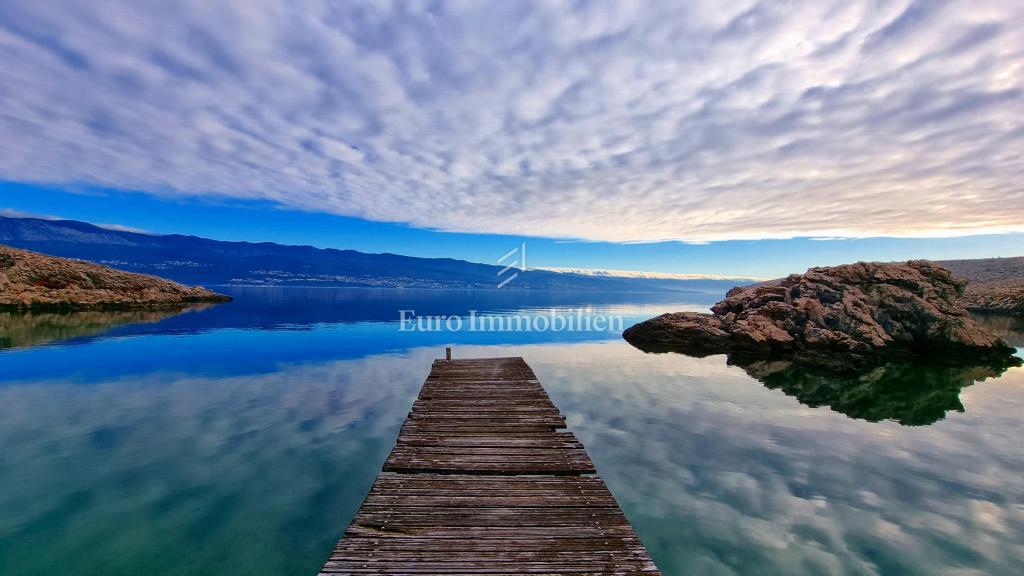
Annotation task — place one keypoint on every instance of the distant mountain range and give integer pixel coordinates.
(195, 260)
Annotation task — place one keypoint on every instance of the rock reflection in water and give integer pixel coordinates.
(910, 393)
(19, 329)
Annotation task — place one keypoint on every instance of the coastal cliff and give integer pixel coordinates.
(841, 317)
(33, 281)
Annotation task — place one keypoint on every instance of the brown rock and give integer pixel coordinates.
(1004, 297)
(29, 280)
(840, 317)
(996, 284)
(695, 332)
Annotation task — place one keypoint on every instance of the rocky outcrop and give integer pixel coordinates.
(995, 285)
(32, 281)
(1001, 297)
(840, 317)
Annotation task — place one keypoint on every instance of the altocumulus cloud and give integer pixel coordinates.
(621, 121)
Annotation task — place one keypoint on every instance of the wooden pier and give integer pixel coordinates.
(483, 482)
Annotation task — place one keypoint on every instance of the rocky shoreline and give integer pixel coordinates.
(840, 318)
(995, 285)
(995, 297)
(33, 281)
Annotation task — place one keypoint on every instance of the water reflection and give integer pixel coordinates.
(225, 448)
(723, 476)
(306, 308)
(297, 309)
(911, 393)
(178, 473)
(1009, 328)
(18, 329)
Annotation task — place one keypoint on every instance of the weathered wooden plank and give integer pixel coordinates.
(494, 418)
(564, 541)
(510, 440)
(629, 546)
(576, 448)
(482, 482)
(452, 499)
(505, 424)
(591, 563)
(480, 428)
(497, 468)
(502, 404)
(492, 455)
(475, 482)
(553, 533)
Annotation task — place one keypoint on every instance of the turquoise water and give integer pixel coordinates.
(240, 439)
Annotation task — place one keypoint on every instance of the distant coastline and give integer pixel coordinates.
(194, 260)
(996, 285)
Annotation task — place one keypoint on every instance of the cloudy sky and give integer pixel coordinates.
(606, 121)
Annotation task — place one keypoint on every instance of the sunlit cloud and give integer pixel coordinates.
(123, 228)
(644, 274)
(622, 121)
(13, 213)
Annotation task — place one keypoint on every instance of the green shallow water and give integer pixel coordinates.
(241, 440)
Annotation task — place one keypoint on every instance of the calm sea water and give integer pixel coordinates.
(241, 439)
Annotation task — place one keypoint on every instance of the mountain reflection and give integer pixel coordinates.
(19, 329)
(910, 393)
